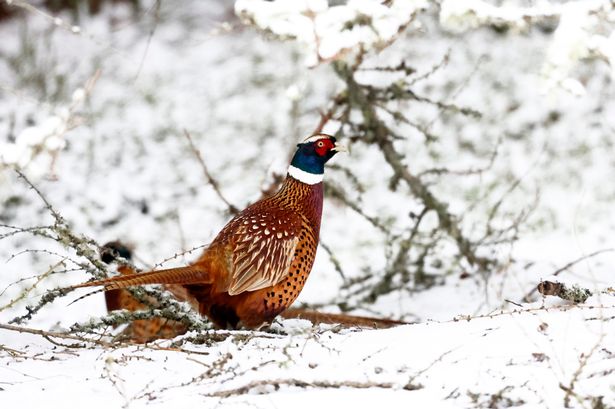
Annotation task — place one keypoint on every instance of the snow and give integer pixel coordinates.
(522, 356)
(123, 169)
(463, 15)
(330, 31)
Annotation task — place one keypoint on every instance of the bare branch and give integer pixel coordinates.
(269, 385)
(50, 335)
(214, 184)
(378, 132)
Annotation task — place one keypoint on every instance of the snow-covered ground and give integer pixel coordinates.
(125, 170)
(507, 360)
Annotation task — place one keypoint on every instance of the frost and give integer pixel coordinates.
(331, 31)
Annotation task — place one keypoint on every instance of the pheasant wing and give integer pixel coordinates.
(263, 249)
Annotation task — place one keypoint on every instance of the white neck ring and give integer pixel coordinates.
(305, 177)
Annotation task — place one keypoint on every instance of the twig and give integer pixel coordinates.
(179, 254)
(514, 303)
(48, 206)
(401, 67)
(80, 244)
(47, 298)
(36, 231)
(437, 67)
(71, 28)
(532, 310)
(49, 335)
(26, 291)
(115, 318)
(334, 191)
(214, 184)
(325, 117)
(334, 260)
(464, 172)
(150, 35)
(569, 389)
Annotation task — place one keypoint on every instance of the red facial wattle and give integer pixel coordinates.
(323, 146)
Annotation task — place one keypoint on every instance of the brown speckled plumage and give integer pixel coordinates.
(257, 265)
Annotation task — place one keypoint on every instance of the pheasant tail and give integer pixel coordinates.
(180, 275)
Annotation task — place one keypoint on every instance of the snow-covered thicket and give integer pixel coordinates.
(481, 138)
(584, 29)
(44, 139)
(330, 31)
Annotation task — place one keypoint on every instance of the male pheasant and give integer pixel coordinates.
(257, 265)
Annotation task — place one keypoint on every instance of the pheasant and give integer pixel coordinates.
(258, 264)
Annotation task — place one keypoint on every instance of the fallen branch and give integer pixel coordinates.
(276, 383)
(527, 296)
(50, 335)
(575, 294)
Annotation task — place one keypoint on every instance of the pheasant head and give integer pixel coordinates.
(308, 163)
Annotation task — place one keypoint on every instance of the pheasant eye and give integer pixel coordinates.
(320, 144)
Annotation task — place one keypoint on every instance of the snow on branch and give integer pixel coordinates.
(47, 137)
(331, 31)
(463, 15)
(579, 34)
(578, 37)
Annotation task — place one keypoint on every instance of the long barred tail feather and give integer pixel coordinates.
(86, 295)
(341, 319)
(180, 275)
